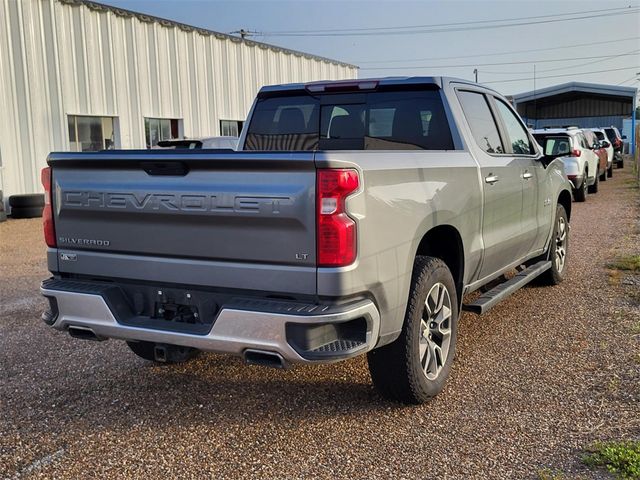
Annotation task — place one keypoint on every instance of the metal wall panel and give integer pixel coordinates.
(583, 122)
(60, 58)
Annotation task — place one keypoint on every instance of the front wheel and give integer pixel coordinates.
(610, 171)
(415, 367)
(558, 249)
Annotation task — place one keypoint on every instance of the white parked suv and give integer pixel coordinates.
(580, 162)
(606, 144)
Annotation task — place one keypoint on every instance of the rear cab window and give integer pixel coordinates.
(379, 120)
(553, 144)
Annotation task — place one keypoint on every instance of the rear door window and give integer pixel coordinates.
(381, 120)
(483, 125)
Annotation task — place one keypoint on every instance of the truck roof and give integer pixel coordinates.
(566, 131)
(438, 81)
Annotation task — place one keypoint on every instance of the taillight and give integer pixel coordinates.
(336, 231)
(576, 153)
(47, 212)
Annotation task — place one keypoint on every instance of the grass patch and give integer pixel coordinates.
(629, 263)
(622, 459)
(548, 474)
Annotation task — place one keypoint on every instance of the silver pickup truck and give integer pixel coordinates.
(355, 218)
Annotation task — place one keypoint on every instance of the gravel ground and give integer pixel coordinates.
(536, 380)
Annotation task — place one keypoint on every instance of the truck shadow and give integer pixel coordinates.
(217, 391)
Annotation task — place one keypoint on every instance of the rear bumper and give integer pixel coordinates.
(296, 333)
(576, 181)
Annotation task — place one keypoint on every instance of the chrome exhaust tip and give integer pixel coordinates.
(83, 333)
(264, 358)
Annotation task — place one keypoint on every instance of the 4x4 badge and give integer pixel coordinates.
(69, 257)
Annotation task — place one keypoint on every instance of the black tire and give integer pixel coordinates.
(557, 272)
(26, 212)
(173, 353)
(580, 194)
(620, 164)
(397, 369)
(594, 188)
(24, 201)
(610, 171)
(603, 176)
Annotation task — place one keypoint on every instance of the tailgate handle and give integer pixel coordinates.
(165, 168)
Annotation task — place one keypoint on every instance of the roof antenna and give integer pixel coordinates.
(245, 33)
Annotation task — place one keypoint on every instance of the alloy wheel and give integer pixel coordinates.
(561, 242)
(435, 331)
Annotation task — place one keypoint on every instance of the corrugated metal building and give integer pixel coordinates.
(79, 75)
(586, 105)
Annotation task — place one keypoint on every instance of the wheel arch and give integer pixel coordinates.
(445, 242)
(564, 199)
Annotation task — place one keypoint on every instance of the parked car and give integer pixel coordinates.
(581, 164)
(604, 143)
(230, 143)
(613, 134)
(600, 151)
(355, 219)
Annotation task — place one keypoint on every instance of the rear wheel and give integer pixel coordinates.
(594, 188)
(620, 164)
(603, 176)
(580, 194)
(610, 171)
(415, 367)
(161, 352)
(558, 249)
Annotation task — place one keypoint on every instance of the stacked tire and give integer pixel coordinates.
(3, 214)
(26, 206)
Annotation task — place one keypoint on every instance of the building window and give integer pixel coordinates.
(158, 129)
(90, 134)
(230, 128)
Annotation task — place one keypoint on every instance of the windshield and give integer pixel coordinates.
(381, 120)
(611, 133)
(600, 135)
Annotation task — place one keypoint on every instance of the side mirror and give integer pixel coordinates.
(606, 144)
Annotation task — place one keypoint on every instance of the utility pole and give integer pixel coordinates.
(535, 98)
(475, 72)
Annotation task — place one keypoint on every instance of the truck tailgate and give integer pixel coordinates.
(205, 215)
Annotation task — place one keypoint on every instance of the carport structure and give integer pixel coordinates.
(586, 105)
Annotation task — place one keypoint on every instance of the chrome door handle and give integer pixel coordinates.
(527, 175)
(491, 179)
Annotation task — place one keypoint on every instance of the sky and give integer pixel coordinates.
(604, 48)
